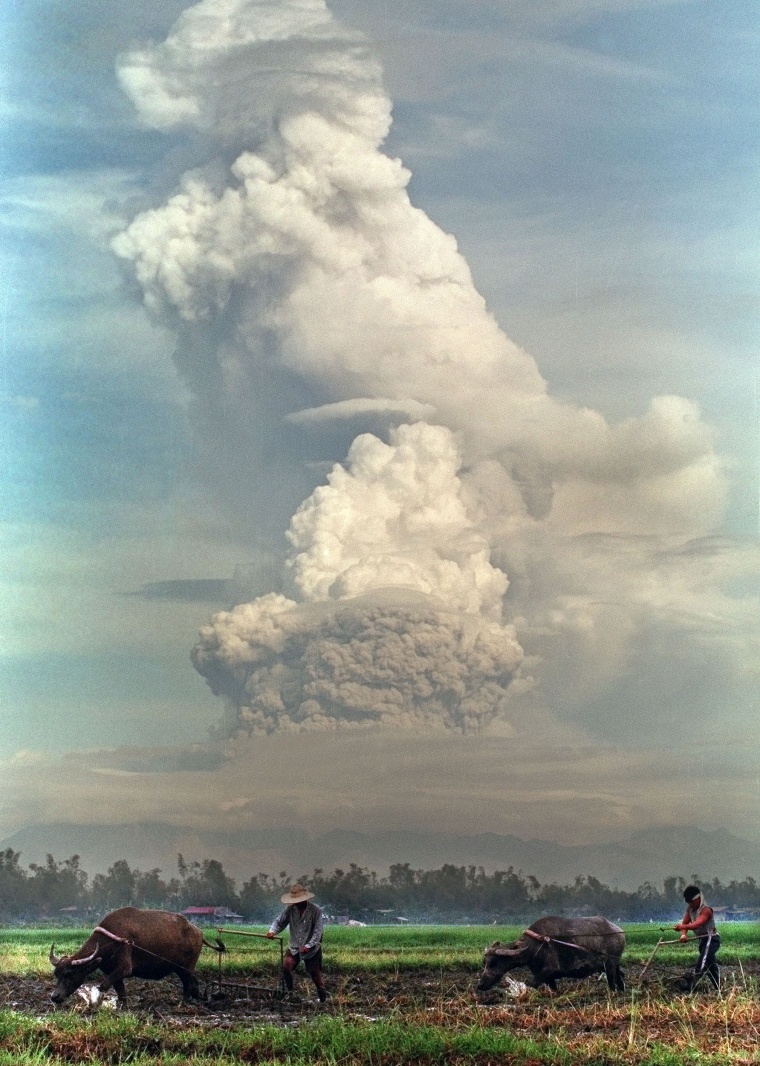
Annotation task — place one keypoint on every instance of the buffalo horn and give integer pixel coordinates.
(54, 959)
(510, 952)
(88, 958)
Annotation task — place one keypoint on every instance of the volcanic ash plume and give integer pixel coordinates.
(368, 662)
(396, 519)
(301, 268)
(428, 650)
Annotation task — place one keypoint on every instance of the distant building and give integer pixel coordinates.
(386, 912)
(737, 914)
(212, 915)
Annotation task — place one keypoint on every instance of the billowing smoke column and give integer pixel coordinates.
(304, 257)
(367, 663)
(428, 650)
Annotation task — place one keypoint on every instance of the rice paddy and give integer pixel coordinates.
(399, 995)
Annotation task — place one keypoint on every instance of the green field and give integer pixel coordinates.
(401, 995)
(379, 947)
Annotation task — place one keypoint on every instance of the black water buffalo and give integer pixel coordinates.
(559, 947)
(133, 943)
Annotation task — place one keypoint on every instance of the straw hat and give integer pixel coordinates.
(296, 894)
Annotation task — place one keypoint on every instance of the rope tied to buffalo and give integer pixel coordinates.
(566, 943)
(147, 951)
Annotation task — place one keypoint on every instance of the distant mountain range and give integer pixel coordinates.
(648, 855)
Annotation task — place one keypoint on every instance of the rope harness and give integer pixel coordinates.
(146, 951)
(566, 943)
(218, 947)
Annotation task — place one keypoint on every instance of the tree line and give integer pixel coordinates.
(55, 889)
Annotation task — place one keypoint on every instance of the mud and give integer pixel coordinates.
(256, 999)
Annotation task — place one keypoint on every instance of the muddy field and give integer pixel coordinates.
(439, 994)
(259, 999)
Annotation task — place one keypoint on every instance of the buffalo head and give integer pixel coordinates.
(498, 959)
(70, 972)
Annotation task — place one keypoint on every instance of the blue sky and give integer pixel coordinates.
(597, 163)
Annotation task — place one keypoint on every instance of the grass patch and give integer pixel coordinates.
(456, 1040)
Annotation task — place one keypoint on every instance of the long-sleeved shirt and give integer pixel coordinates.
(305, 928)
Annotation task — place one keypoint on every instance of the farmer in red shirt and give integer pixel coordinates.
(700, 921)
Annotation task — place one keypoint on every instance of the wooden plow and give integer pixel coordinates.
(662, 942)
(279, 989)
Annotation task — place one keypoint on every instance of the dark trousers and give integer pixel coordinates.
(706, 963)
(313, 967)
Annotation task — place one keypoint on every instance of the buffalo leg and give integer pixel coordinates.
(114, 980)
(120, 990)
(120, 968)
(613, 975)
(190, 987)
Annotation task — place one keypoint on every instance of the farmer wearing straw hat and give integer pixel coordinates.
(305, 922)
(700, 921)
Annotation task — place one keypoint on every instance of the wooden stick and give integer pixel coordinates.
(244, 932)
(657, 947)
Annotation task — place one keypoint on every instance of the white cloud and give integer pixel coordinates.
(367, 297)
(396, 518)
(307, 258)
(362, 407)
